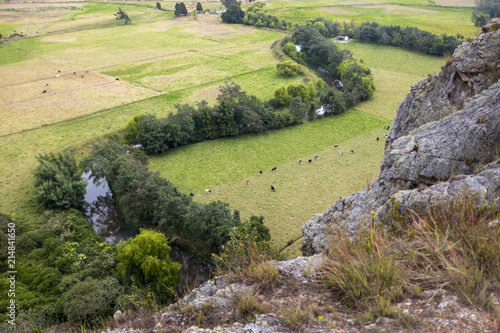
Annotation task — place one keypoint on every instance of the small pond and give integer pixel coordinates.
(106, 220)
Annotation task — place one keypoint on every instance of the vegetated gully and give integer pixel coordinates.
(108, 224)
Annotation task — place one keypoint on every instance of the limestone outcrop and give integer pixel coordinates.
(444, 140)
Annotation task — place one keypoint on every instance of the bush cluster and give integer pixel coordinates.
(65, 272)
(255, 15)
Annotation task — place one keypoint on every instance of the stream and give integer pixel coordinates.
(108, 224)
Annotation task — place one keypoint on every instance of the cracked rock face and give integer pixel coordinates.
(448, 125)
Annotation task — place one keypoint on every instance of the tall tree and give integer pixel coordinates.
(158, 5)
(233, 14)
(199, 8)
(177, 11)
(225, 120)
(121, 15)
(145, 260)
(58, 184)
(183, 9)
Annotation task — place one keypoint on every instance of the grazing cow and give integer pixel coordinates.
(341, 153)
(310, 161)
(272, 188)
(336, 146)
(207, 191)
(300, 161)
(290, 242)
(47, 84)
(316, 157)
(59, 71)
(57, 75)
(43, 92)
(388, 127)
(377, 138)
(117, 79)
(191, 194)
(248, 182)
(274, 169)
(352, 151)
(259, 173)
(74, 73)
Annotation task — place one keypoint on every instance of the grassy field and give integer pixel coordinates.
(224, 166)
(187, 60)
(439, 18)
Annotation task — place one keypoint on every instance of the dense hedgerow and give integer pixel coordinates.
(146, 198)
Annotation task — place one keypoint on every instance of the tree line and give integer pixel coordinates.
(409, 38)
(145, 198)
(235, 113)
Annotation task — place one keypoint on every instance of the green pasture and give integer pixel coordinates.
(225, 165)
(424, 15)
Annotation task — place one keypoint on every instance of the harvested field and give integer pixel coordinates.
(68, 96)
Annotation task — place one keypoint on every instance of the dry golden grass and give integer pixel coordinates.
(462, 3)
(24, 106)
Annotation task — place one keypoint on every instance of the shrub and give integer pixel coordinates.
(90, 300)
(288, 68)
(297, 314)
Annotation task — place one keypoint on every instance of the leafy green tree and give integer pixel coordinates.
(58, 184)
(183, 9)
(158, 5)
(151, 134)
(229, 3)
(225, 120)
(233, 14)
(179, 9)
(211, 223)
(333, 101)
(131, 130)
(297, 110)
(288, 68)
(145, 259)
(209, 128)
(312, 89)
(281, 94)
(199, 7)
(121, 15)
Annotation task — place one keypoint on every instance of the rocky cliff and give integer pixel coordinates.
(445, 140)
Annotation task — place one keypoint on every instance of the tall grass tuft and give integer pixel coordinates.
(364, 273)
(454, 246)
(247, 307)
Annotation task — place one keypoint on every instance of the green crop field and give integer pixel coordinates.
(187, 59)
